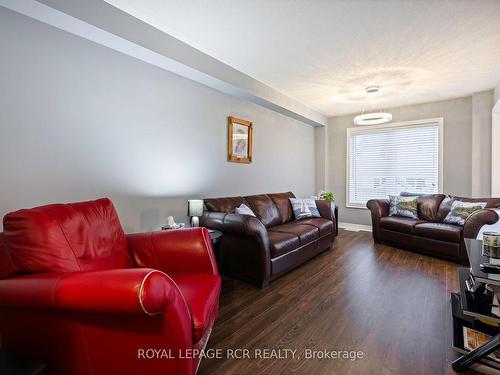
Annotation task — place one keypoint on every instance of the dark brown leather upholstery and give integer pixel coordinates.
(305, 233)
(282, 243)
(399, 224)
(428, 207)
(324, 226)
(260, 249)
(264, 208)
(282, 202)
(429, 234)
(379, 208)
(226, 205)
(477, 220)
(439, 231)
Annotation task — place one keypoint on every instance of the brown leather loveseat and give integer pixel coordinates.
(259, 249)
(428, 234)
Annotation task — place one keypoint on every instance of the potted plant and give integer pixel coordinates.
(327, 195)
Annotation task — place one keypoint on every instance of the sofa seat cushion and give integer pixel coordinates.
(282, 243)
(439, 231)
(201, 292)
(305, 233)
(399, 224)
(324, 226)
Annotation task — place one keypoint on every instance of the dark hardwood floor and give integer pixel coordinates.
(389, 303)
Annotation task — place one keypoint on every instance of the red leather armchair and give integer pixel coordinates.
(80, 295)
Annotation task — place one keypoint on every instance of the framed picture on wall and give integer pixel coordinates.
(239, 141)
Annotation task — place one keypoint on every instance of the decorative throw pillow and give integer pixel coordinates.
(403, 206)
(461, 210)
(304, 208)
(243, 209)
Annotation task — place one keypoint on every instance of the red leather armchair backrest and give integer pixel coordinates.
(7, 268)
(66, 237)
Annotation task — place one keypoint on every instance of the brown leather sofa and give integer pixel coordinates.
(259, 249)
(428, 234)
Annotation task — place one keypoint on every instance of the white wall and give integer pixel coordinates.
(80, 121)
(482, 103)
(495, 143)
(457, 115)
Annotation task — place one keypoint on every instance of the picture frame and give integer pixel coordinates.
(239, 140)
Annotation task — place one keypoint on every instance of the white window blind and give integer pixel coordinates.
(390, 159)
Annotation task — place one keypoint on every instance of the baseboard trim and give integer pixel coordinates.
(355, 227)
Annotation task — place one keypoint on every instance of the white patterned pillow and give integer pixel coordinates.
(304, 208)
(460, 211)
(243, 209)
(403, 206)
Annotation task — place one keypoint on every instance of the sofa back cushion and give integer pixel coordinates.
(282, 202)
(226, 205)
(66, 237)
(265, 210)
(447, 202)
(428, 207)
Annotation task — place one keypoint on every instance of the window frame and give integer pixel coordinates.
(439, 121)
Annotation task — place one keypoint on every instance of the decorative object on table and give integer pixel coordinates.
(461, 210)
(171, 224)
(403, 206)
(304, 208)
(326, 195)
(243, 209)
(491, 239)
(195, 210)
(239, 140)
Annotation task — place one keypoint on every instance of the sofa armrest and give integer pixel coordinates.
(136, 291)
(174, 251)
(378, 208)
(326, 209)
(474, 222)
(243, 225)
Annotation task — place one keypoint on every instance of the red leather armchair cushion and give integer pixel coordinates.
(66, 237)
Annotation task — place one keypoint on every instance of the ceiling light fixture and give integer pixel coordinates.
(373, 118)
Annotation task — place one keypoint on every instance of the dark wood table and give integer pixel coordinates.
(472, 308)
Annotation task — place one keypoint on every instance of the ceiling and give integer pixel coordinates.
(324, 53)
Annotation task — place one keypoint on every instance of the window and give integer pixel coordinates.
(393, 158)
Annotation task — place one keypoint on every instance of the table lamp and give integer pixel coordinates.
(195, 210)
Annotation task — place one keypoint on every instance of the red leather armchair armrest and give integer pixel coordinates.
(137, 291)
(174, 251)
(379, 208)
(479, 218)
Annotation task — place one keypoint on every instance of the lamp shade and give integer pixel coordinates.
(195, 207)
